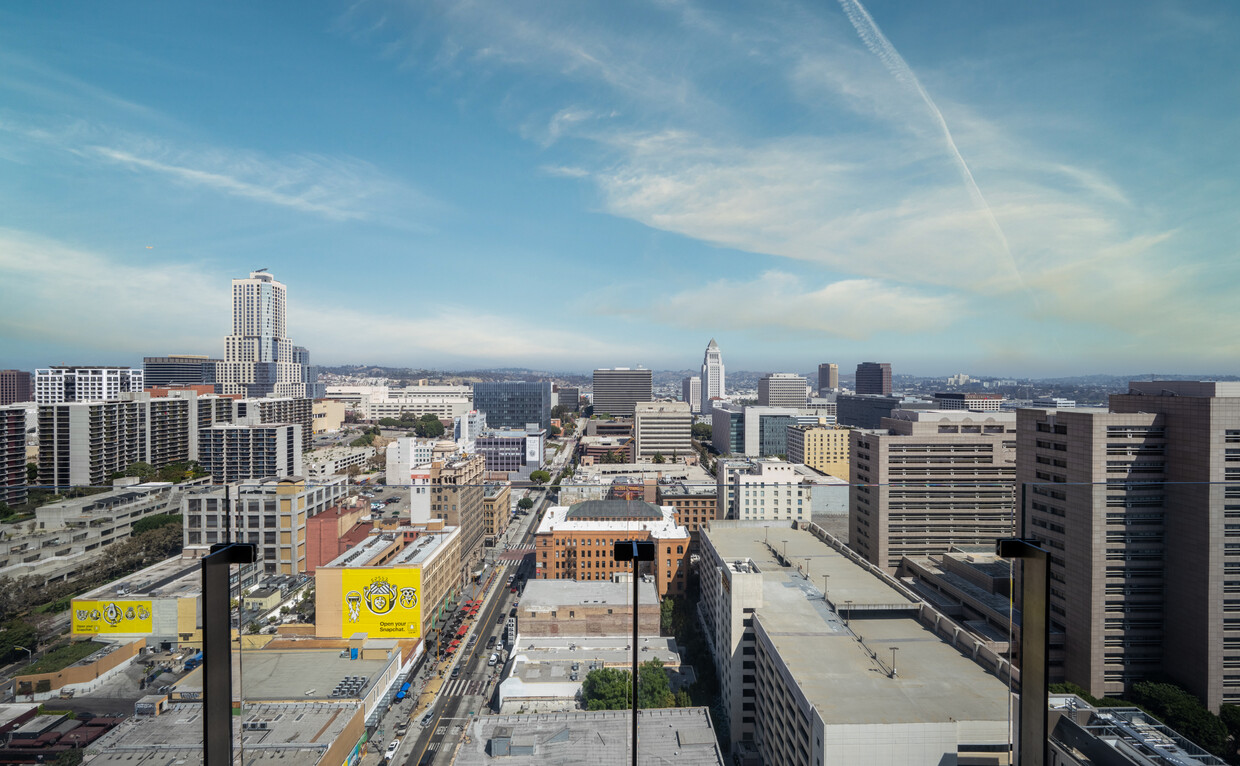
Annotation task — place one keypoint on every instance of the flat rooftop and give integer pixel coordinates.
(171, 578)
(282, 675)
(556, 520)
(297, 733)
(542, 595)
(613, 509)
(414, 553)
(844, 669)
(683, 736)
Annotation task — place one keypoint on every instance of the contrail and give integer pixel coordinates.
(880, 46)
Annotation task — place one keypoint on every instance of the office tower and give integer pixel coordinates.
(1136, 506)
(947, 400)
(179, 370)
(753, 431)
(868, 411)
(467, 428)
(782, 389)
(691, 392)
(874, 378)
(823, 448)
(617, 391)
(712, 376)
(84, 443)
(237, 452)
(575, 542)
(801, 635)
(662, 428)
(928, 480)
(456, 497)
(502, 449)
(828, 378)
(16, 386)
(54, 385)
(259, 358)
(309, 374)
(13, 455)
(513, 403)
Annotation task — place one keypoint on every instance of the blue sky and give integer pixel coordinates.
(1024, 189)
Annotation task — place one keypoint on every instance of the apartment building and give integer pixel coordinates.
(874, 378)
(271, 513)
(618, 390)
(1136, 505)
(13, 476)
(576, 542)
(514, 403)
(662, 428)
(84, 443)
(954, 400)
(467, 428)
(696, 505)
(179, 370)
(416, 569)
(278, 409)
(763, 490)
(16, 386)
(930, 480)
(496, 510)
(404, 456)
(691, 393)
(259, 358)
(328, 416)
(235, 452)
(329, 461)
(456, 495)
(54, 385)
(801, 635)
(822, 448)
(782, 389)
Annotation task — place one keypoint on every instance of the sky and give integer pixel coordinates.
(1028, 189)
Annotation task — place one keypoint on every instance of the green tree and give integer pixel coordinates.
(1230, 716)
(540, 477)
(1182, 711)
(429, 427)
(32, 473)
(253, 627)
(683, 699)
(667, 608)
(658, 458)
(701, 431)
(144, 471)
(68, 757)
(14, 634)
(5, 510)
(606, 689)
(653, 688)
(525, 503)
(155, 522)
(555, 431)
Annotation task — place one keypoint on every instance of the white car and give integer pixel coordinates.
(393, 746)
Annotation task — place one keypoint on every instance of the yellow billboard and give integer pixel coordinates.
(120, 616)
(384, 603)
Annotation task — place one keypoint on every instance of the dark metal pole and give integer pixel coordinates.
(636, 609)
(217, 650)
(1032, 743)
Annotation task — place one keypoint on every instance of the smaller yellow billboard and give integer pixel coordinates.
(120, 616)
(382, 602)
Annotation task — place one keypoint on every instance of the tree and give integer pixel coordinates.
(653, 688)
(702, 431)
(606, 689)
(667, 608)
(32, 473)
(155, 522)
(525, 503)
(658, 458)
(429, 427)
(14, 634)
(569, 428)
(555, 430)
(1182, 711)
(540, 477)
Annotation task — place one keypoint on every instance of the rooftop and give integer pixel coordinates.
(681, 735)
(171, 578)
(414, 553)
(301, 675)
(556, 519)
(844, 669)
(613, 509)
(551, 594)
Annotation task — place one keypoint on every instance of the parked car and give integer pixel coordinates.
(393, 746)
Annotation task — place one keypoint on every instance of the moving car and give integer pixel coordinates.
(393, 746)
(494, 658)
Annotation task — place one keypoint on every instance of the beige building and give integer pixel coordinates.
(928, 480)
(823, 448)
(328, 415)
(662, 428)
(496, 509)
(584, 609)
(1136, 506)
(270, 513)
(456, 497)
(426, 557)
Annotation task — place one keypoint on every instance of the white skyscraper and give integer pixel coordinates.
(712, 376)
(259, 358)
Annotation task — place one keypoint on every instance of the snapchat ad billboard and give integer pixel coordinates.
(119, 616)
(383, 603)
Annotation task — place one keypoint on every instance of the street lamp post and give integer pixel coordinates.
(29, 654)
(894, 649)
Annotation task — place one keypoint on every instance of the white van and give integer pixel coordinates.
(493, 659)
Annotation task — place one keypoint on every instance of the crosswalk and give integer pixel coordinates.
(462, 686)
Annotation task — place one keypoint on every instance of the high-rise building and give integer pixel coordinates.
(712, 376)
(691, 392)
(178, 370)
(84, 443)
(405, 455)
(278, 409)
(456, 497)
(467, 428)
(1136, 506)
(16, 386)
(754, 431)
(662, 428)
(869, 410)
(951, 400)
(237, 452)
(874, 378)
(54, 385)
(828, 378)
(259, 358)
(618, 390)
(928, 480)
(13, 455)
(823, 448)
(570, 397)
(782, 389)
(513, 404)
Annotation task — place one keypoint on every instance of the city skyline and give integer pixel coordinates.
(1024, 192)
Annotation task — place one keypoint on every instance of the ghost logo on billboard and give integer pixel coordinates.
(380, 596)
(353, 600)
(112, 614)
(143, 613)
(83, 615)
(408, 597)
